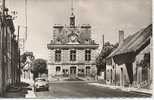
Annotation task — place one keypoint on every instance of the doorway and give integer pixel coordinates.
(88, 71)
(73, 72)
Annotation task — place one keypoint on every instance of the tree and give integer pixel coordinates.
(39, 66)
(94, 72)
(101, 59)
(24, 60)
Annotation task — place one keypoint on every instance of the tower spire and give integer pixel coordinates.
(72, 9)
(72, 17)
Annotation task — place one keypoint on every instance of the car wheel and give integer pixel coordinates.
(36, 90)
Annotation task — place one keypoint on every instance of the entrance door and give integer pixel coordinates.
(73, 72)
(87, 71)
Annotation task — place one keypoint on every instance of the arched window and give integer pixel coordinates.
(58, 69)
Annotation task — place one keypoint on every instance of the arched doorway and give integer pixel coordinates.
(73, 72)
(122, 77)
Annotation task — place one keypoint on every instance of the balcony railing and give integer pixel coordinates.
(75, 46)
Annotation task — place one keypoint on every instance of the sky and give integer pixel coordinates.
(105, 16)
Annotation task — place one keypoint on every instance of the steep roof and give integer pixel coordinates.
(133, 42)
(9, 22)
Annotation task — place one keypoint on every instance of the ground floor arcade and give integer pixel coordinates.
(72, 71)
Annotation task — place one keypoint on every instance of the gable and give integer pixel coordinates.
(134, 42)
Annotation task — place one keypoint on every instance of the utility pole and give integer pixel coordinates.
(18, 33)
(105, 58)
(115, 75)
(103, 40)
(26, 18)
(19, 55)
(2, 46)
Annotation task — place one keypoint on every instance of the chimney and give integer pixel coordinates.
(103, 40)
(121, 37)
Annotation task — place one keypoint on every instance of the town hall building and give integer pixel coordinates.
(72, 52)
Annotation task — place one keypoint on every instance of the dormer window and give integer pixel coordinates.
(58, 41)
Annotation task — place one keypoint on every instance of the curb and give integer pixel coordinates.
(123, 89)
(72, 81)
(30, 94)
(14, 89)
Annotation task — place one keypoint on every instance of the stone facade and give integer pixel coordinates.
(72, 51)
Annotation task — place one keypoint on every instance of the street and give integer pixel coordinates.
(83, 90)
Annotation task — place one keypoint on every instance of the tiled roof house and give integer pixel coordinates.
(129, 53)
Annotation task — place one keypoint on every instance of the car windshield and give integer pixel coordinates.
(40, 80)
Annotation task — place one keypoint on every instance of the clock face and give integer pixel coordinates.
(73, 38)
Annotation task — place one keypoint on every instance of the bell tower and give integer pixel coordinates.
(72, 17)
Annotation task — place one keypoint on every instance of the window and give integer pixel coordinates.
(58, 55)
(65, 72)
(81, 72)
(88, 55)
(58, 69)
(73, 55)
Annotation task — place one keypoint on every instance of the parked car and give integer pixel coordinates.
(41, 84)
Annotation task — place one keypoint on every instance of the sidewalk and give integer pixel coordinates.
(30, 93)
(24, 91)
(19, 92)
(127, 89)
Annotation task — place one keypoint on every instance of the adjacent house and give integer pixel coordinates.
(72, 51)
(130, 63)
(9, 54)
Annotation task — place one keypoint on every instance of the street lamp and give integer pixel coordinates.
(2, 46)
(115, 74)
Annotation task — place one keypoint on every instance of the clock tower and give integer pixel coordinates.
(73, 38)
(72, 51)
(72, 20)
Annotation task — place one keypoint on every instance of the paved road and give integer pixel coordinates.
(82, 90)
